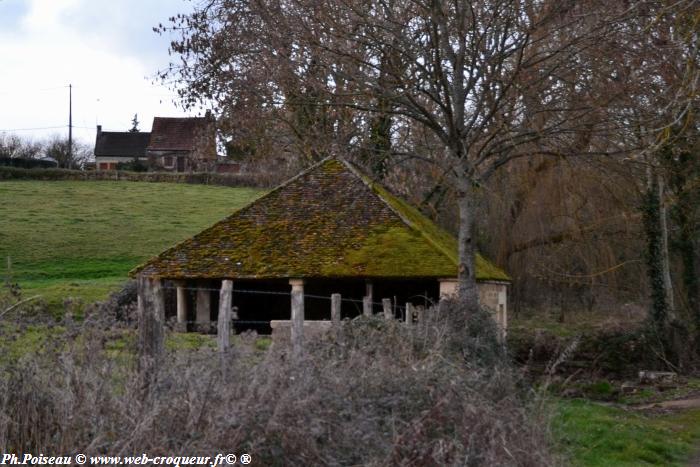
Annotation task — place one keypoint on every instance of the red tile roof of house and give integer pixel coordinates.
(177, 134)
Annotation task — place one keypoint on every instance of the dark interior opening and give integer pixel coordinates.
(257, 302)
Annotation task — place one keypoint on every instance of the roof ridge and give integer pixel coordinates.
(370, 185)
(178, 118)
(104, 132)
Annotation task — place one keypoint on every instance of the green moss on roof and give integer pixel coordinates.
(330, 221)
(438, 237)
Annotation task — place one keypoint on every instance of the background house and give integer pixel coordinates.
(174, 144)
(113, 147)
(183, 144)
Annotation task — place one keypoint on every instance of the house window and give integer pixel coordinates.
(168, 161)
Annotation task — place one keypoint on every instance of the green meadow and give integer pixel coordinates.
(80, 239)
(594, 435)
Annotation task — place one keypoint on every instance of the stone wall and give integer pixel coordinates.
(493, 295)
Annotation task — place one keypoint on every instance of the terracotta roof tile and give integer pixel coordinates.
(176, 134)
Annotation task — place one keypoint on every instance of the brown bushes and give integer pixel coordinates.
(372, 393)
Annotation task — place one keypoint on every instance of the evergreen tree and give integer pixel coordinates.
(135, 124)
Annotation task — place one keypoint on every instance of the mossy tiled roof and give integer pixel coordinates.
(329, 221)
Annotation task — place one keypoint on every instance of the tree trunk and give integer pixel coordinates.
(665, 259)
(467, 292)
(654, 254)
(689, 259)
(687, 250)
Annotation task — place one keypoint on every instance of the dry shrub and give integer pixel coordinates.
(121, 304)
(372, 393)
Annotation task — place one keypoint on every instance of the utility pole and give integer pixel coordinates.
(70, 126)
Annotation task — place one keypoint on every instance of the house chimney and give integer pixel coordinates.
(99, 129)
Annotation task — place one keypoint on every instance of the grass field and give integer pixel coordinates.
(80, 238)
(594, 435)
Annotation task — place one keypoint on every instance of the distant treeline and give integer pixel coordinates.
(25, 163)
(257, 180)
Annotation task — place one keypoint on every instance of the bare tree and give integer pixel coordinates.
(59, 149)
(494, 80)
(491, 81)
(266, 85)
(14, 146)
(656, 115)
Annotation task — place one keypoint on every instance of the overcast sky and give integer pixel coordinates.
(105, 48)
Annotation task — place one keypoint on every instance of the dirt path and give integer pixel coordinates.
(680, 404)
(676, 406)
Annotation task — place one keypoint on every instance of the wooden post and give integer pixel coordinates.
(367, 306)
(409, 314)
(151, 318)
(335, 309)
(224, 322)
(297, 314)
(388, 312)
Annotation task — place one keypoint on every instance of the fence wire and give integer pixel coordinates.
(394, 306)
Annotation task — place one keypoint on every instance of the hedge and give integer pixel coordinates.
(258, 180)
(24, 163)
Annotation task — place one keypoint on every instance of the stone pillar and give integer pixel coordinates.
(297, 314)
(368, 299)
(388, 312)
(409, 314)
(181, 303)
(502, 318)
(336, 300)
(203, 306)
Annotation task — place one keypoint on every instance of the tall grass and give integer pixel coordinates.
(370, 393)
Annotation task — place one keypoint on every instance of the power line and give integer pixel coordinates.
(31, 129)
(35, 90)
